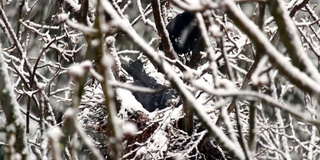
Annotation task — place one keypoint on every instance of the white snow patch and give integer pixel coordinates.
(69, 113)
(160, 142)
(74, 4)
(63, 16)
(76, 70)
(226, 84)
(41, 85)
(54, 133)
(151, 70)
(129, 102)
(141, 151)
(215, 31)
(86, 112)
(194, 4)
(86, 64)
(95, 42)
(107, 61)
(129, 128)
(177, 113)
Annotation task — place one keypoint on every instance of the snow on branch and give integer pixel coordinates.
(300, 79)
(15, 127)
(174, 79)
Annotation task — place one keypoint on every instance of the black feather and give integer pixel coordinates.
(184, 35)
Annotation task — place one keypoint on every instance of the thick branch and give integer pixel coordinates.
(291, 39)
(162, 32)
(175, 81)
(16, 138)
(293, 74)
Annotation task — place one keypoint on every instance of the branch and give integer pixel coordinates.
(16, 138)
(22, 53)
(291, 39)
(162, 31)
(104, 62)
(250, 95)
(293, 74)
(175, 81)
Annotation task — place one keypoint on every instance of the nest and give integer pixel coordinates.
(158, 135)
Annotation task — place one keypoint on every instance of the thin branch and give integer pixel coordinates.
(294, 75)
(22, 53)
(175, 81)
(250, 95)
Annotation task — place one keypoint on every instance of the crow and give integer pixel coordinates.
(185, 37)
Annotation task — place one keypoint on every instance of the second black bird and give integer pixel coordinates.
(185, 37)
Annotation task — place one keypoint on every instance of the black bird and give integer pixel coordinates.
(185, 37)
(150, 101)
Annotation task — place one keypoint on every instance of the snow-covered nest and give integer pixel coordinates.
(146, 135)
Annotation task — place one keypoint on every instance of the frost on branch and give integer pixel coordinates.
(15, 128)
(252, 92)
